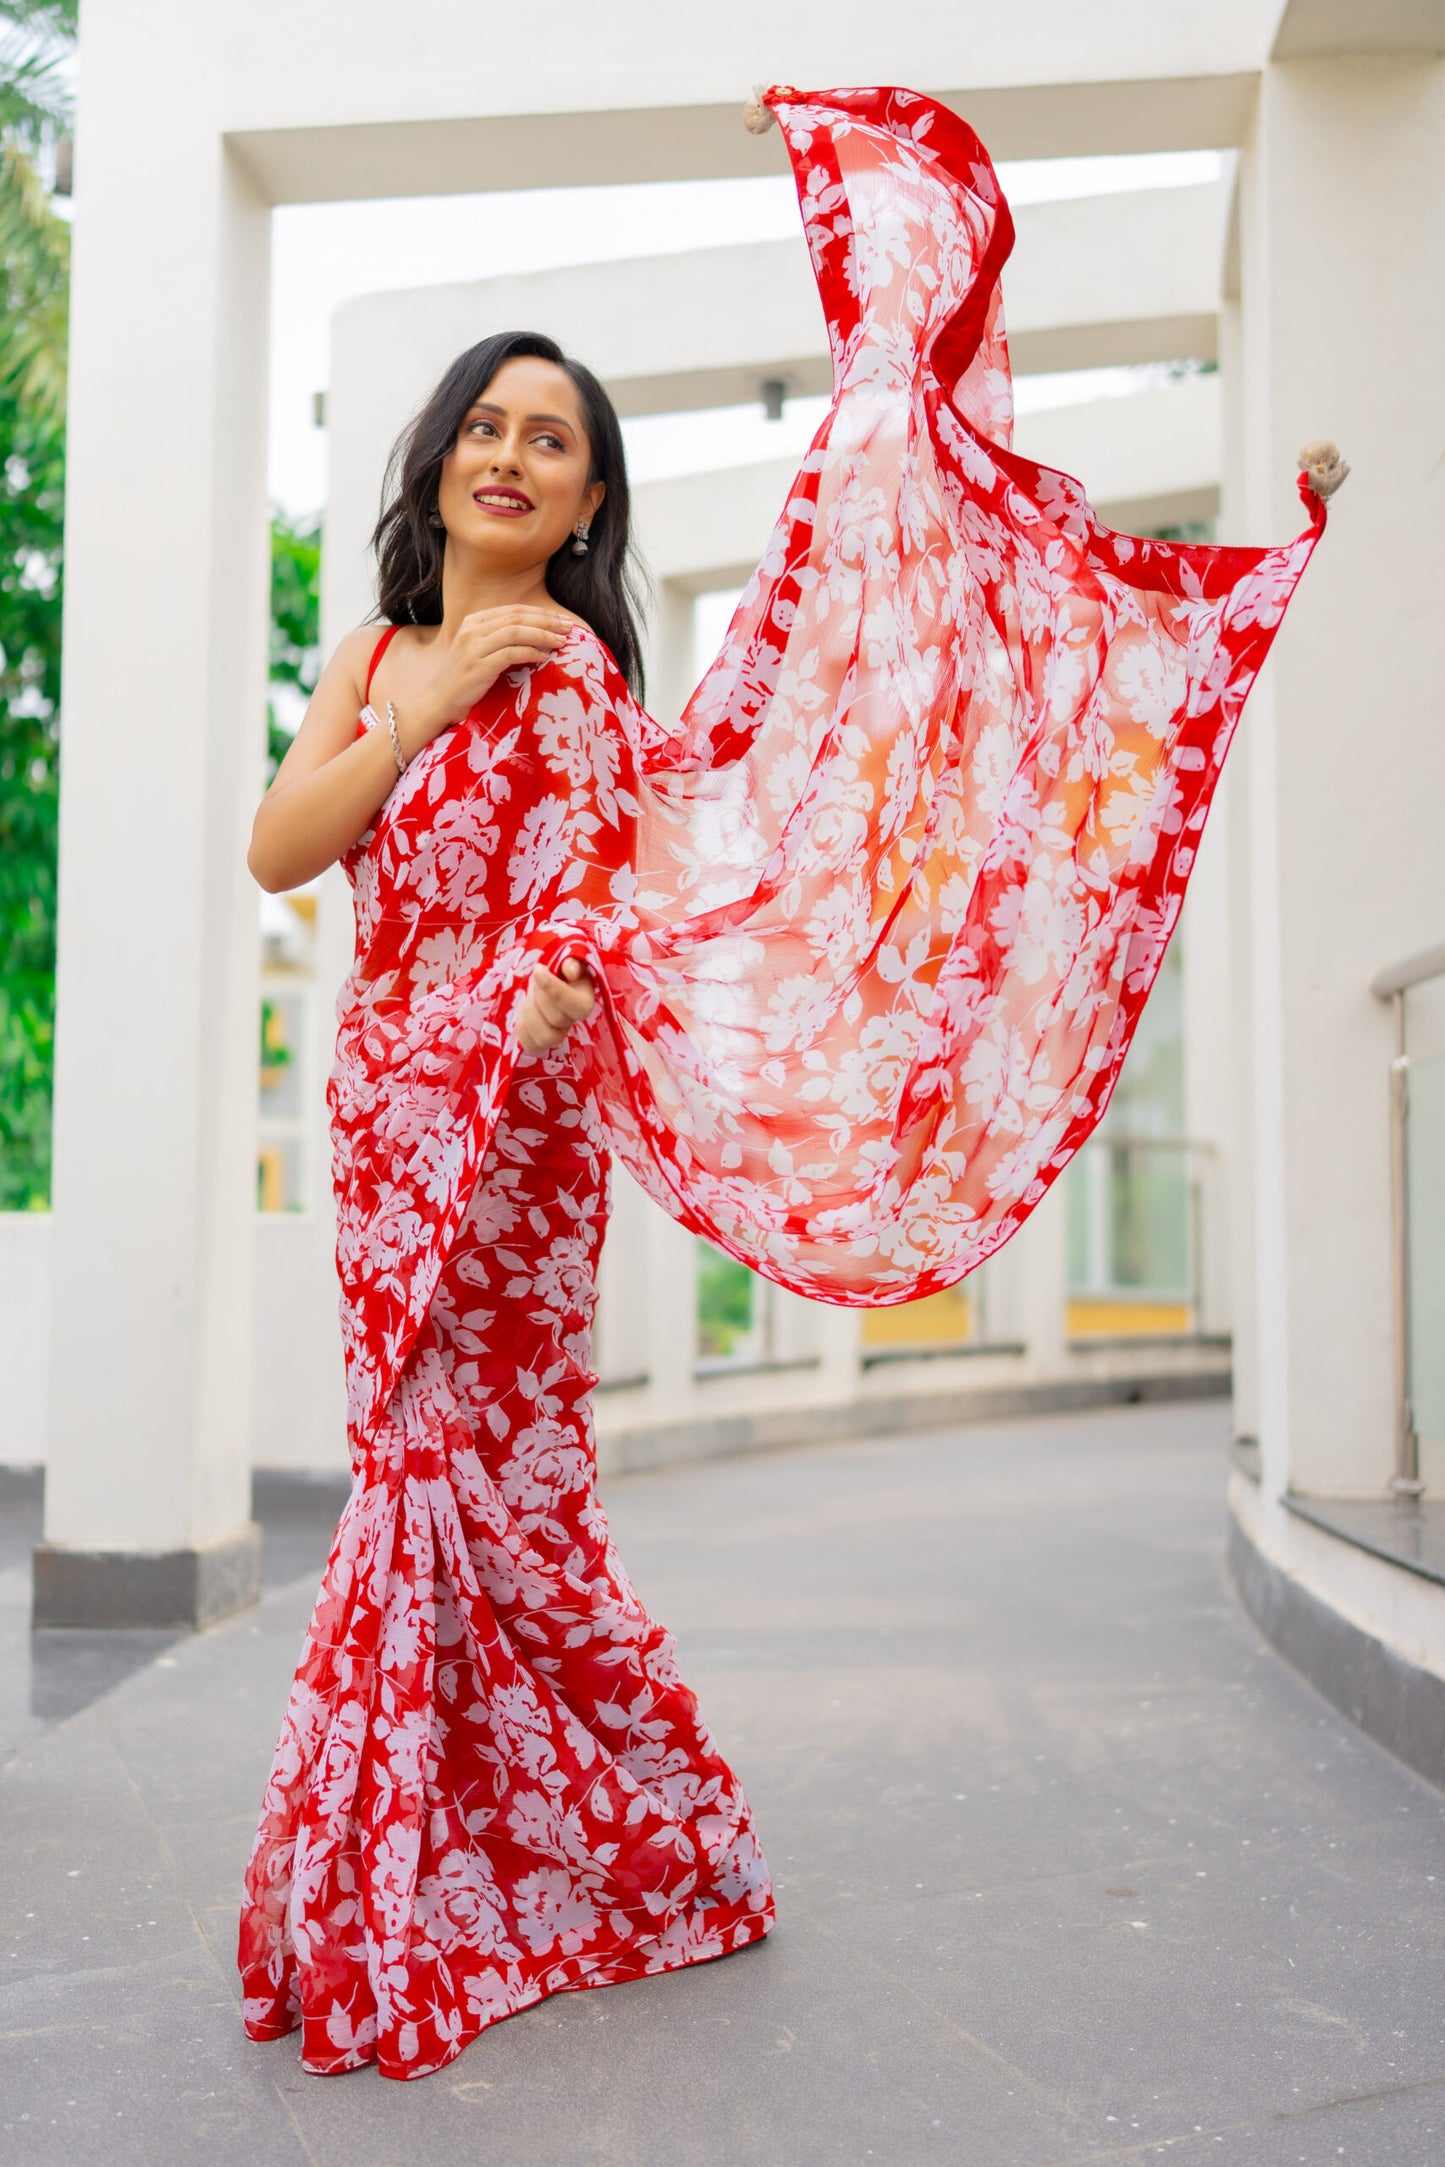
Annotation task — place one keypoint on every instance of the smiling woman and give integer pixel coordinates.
(515, 431)
(569, 1820)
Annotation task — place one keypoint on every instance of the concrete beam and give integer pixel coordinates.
(579, 149)
(1326, 29)
(664, 333)
(1152, 459)
(1092, 282)
(359, 111)
(1104, 280)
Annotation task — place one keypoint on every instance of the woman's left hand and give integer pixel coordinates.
(553, 1004)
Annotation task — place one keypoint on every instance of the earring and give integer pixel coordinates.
(434, 516)
(579, 545)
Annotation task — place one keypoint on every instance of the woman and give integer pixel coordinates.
(568, 1820)
(867, 934)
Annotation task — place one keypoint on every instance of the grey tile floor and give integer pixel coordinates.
(1070, 1867)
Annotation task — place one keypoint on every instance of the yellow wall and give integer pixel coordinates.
(1093, 1316)
(936, 1320)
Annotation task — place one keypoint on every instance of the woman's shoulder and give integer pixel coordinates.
(362, 639)
(353, 655)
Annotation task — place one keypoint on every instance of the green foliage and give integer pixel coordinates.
(34, 241)
(35, 38)
(32, 494)
(295, 622)
(724, 1301)
(275, 1053)
(34, 289)
(34, 275)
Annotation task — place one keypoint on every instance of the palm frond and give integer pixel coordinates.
(34, 288)
(35, 101)
(56, 17)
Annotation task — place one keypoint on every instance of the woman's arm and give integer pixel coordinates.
(332, 783)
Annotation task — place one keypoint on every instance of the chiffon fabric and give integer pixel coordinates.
(872, 925)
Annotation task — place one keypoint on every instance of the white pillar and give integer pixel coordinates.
(1030, 1286)
(621, 1351)
(671, 676)
(1234, 805)
(1204, 934)
(147, 1495)
(671, 1297)
(1343, 235)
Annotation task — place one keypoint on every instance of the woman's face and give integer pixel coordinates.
(514, 485)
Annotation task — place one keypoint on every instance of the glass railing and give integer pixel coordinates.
(1417, 1166)
(1425, 1188)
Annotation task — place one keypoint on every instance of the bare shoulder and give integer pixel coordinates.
(351, 657)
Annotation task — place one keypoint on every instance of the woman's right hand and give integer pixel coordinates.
(332, 783)
(487, 643)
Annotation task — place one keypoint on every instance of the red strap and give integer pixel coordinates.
(377, 652)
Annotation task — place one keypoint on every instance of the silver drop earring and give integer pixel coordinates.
(434, 516)
(579, 541)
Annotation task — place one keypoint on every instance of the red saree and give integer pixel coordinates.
(873, 925)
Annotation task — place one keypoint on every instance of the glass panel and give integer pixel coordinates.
(282, 1016)
(1148, 1099)
(278, 1174)
(281, 1151)
(1425, 1161)
(1130, 1218)
(1128, 1193)
(1149, 1217)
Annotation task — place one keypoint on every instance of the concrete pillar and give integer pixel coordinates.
(1029, 1284)
(1233, 804)
(839, 1342)
(1343, 250)
(622, 1351)
(671, 676)
(1204, 934)
(671, 1299)
(147, 1517)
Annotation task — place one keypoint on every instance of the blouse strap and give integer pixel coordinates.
(377, 652)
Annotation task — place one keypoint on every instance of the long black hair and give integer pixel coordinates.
(606, 587)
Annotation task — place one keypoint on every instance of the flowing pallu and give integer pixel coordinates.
(872, 925)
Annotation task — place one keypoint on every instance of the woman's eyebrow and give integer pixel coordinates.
(484, 406)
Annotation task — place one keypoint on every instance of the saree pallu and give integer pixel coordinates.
(871, 926)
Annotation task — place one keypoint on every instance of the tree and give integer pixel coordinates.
(295, 625)
(34, 275)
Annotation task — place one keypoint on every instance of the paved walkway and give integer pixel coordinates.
(1070, 1867)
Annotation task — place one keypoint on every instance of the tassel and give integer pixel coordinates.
(757, 117)
(1322, 467)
